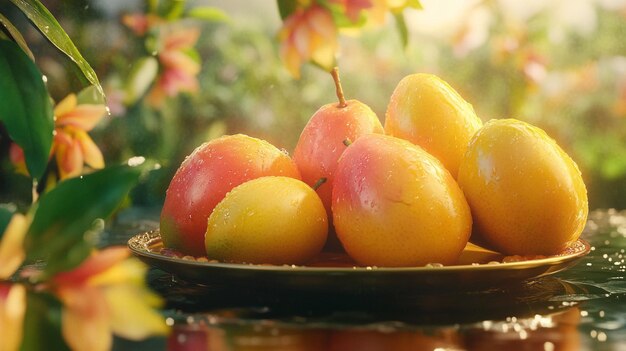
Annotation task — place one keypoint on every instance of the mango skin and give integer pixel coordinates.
(428, 112)
(268, 220)
(321, 142)
(526, 194)
(396, 205)
(204, 178)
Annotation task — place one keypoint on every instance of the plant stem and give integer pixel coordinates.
(342, 99)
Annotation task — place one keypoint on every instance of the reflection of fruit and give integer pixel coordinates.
(396, 340)
(562, 334)
(395, 205)
(428, 112)
(277, 220)
(203, 179)
(321, 142)
(527, 196)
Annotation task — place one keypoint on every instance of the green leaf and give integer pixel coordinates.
(16, 35)
(141, 77)
(402, 29)
(175, 9)
(6, 212)
(153, 5)
(42, 323)
(286, 7)
(416, 4)
(206, 13)
(340, 17)
(39, 15)
(90, 95)
(25, 107)
(67, 216)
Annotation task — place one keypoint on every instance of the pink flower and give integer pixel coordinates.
(178, 69)
(139, 23)
(308, 34)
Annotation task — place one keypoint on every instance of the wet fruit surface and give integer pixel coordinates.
(269, 220)
(527, 196)
(323, 141)
(204, 178)
(395, 205)
(426, 111)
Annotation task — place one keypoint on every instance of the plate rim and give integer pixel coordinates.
(135, 247)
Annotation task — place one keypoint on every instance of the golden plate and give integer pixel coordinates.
(477, 269)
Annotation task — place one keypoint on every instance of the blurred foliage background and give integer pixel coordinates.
(560, 65)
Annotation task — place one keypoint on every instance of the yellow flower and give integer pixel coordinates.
(179, 70)
(12, 310)
(12, 296)
(308, 34)
(107, 295)
(11, 245)
(71, 145)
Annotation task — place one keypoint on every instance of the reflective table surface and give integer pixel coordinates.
(581, 308)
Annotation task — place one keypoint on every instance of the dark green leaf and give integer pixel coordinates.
(25, 108)
(208, 14)
(42, 323)
(286, 7)
(67, 216)
(402, 29)
(16, 35)
(39, 15)
(6, 212)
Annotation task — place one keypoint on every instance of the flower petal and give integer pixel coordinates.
(133, 316)
(91, 153)
(288, 26)
(11, 250)
(180, 38)
(174, 81)
(301, 40)
(138, 23)
(131, 271)
(321, 21)
(291, 59)
(86, 319)
(66, 105)
(95, 264)
(180, 61)
(16, 155)
(84, 116)
(69, 159)
(12, 310)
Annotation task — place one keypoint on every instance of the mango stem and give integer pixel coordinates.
(339, 90)
(319, 183)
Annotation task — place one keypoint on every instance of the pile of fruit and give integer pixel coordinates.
(407, 194)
